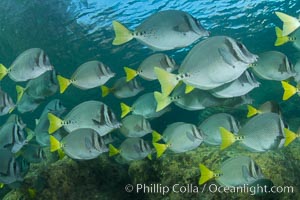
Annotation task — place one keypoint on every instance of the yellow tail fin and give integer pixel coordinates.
(156, 136)
(61, 154)
(188, 89)
(289, 90)
(1, 185)
(30, 134)
(20, 91)
(123, 35)
(290, 136)
(3, 71)
(280, 40)
(290, 24)
(206, 174)
(63, 83)
(162, 101)
(105, 90)
(55, 123)
(113, 150)
(32, 193)
(252, 111)
(160, 149)
(54, 144)
(125, 109)
(167, 80)
(227, 138)
(130, 73)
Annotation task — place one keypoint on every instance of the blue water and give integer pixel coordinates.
(75, 31)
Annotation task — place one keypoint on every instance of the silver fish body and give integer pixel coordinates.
(135, 126)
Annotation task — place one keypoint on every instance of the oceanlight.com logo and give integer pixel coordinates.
(211, 188)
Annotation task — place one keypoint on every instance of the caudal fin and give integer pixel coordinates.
(3, 71)
(290, 136)
(280, 39)
(162, 101)
(130, 73)
(206, 174)
(20, 91)
(251, 111)
(289, 90)
(167, 80)
(55, 123)
(290, 24)
(125, 109)
(105, 90)
(156, 136)
(227, 138)
(122, 34)
(160, 149)
(54, 144)
(188, 89)
(113, 150)
(63, 83)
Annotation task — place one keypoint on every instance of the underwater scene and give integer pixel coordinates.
(149, 99)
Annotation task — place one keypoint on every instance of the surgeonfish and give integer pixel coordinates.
(12, 169)
(131, 149)
(196, 99)
(89, 114)
(41, 87)
(268, 106)
(28, 65)
(135, 126)
(123, 88)
(80, 144)
(209, 64)
(16, 119)
(164, 30)
(7, 105)
(42, 124)
(178, 137)
(240, 86)
(234, 172)
(146, 68)
(28, 103)
(273, 65)
(297, 70)
(290, 24)
(12, 137)
(210, 128)
(144, 105)
(261, 133)
(88, 75)
(33, 152)
(293, 37)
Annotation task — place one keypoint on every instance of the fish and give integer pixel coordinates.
(290, 24)
(164, 30)
(209, 64)
(16, 119)
(28, 65)
(123, 88)
(42, 124)
(234, 172)
(297, 70)
(89, 114)
(294, 38)
(261, 133)
(241, 86)
(33, 152)
(268, 106)
(135, 126)
(12, 137)
(41, 87)
(196, 99)
(210, 128)
(12, 169)
(144, 105)
(87, 76)
(7, 104)
(28, 103)
(146, 68)
(273, 65)
(178, 137)
(131, 149)
(80, 144)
